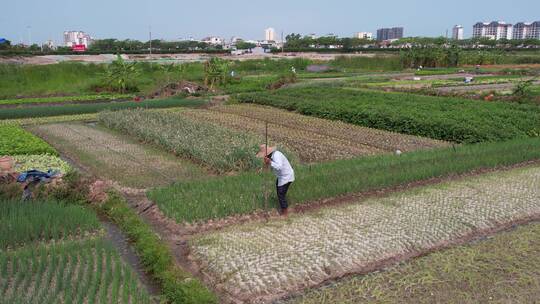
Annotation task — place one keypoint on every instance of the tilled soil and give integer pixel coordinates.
(260, 262)
(114, 157)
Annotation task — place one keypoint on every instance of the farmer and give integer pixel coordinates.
(282, 169)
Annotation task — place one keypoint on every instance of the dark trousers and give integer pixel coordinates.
(282, 194)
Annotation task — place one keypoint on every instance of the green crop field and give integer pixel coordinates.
(220, 148)
(81, 271)
(15, 141)
(65, 99)
(241, 194)
(53, 252)
(450, 119)
(43, 221)
(61, 110)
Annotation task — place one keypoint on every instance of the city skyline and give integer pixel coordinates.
(171, 20)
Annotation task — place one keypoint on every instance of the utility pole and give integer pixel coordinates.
(282, 42)
(28, 28)
(150, 41)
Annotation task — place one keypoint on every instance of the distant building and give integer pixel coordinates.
(270, 34)
(364, 35)
(72, 38)
(49, 45)
(213, 40)
(493, 30)
(389, 33)
(457, 32)
(522, 30)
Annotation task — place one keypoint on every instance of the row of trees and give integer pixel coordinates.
(297, 41)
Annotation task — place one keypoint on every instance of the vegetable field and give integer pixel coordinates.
(220, 148)
(43, 221)
(74, 109)
(262, 261)
(450, 119)
(115, 157)
(55, 252)
(220, 197)
(312, 139)
(14, 140)
(64, 99)
(68, 272)
(474, 273)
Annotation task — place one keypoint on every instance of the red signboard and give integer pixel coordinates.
(78, 48)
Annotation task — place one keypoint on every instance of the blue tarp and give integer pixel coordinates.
(2, 40)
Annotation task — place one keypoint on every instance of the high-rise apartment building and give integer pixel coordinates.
(493, 30)
(524, 30)
(364, 35)
(457, 32)
(389, 33)
(270, 34)
(72, 38)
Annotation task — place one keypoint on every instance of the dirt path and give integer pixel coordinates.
(114, 157)
(260, 262)
(479, 87)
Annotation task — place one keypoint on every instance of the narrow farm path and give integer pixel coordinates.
(260, 262)
(115, 157)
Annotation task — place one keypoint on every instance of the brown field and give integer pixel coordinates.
(312, 139)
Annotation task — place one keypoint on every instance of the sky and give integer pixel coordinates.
(39, 20)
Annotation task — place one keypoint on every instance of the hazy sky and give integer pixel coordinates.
(40, 20)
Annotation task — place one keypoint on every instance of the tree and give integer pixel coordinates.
(242, 45)
(215, 71)
(121, 74)
(5, 44)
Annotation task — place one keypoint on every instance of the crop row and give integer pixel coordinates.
(40, 111)
(450, 119)
(61, 99)
(309, 146)
(265, 259)
(241, 194)
(220, 148)
(85, 271)
(107, 154)
(354, 135)
(42, 221)
(474, 273)
(14, 140)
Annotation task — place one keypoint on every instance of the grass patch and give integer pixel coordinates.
(64, 78)
(242, 194)
(502, 269)
(178, 286)
(61, 110)
(450, 119)
(14, 140)
(32, 221)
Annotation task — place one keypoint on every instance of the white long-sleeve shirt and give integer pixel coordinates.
(282, 168)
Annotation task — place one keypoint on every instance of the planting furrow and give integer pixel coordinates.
(114, 157)
(309, 146)
(353, 134)
(262, 261)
